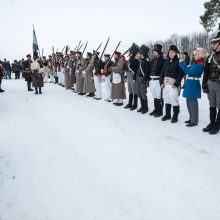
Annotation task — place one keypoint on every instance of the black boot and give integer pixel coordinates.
(216, 127)
(176, 110)
(141, 108)
(92, 94)
(56, 80)
(29, 86)
(36, 91)
(130, 100)
(168, 113)
(159, 111)
(40, 90)
(155, 108)
(145, 107)
(212, 115)
(134, 106)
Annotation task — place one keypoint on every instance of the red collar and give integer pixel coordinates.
(200, 61)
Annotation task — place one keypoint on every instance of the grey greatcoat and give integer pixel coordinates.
(67, 75)
(79, 78)
(89, 86)
(118, 88)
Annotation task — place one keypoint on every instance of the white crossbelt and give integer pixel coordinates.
(154, 77)
(193, 78)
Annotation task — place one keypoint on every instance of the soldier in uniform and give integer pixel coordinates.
(156, 65)
(131, 68)
(89, 86)
(211, 85)
(141, 78)
(117, 79)
(67, 72)
(45, 65)
(107, 75)
(27, 72)
(55, 67)
(49, 69)
(98, 65)
(80, 79)
(75, 66)
(170, 79)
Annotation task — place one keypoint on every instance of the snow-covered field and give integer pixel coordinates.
(67, 157)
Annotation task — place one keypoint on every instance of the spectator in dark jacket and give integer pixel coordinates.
(1, 76)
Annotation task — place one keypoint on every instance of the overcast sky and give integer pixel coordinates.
(65, 22)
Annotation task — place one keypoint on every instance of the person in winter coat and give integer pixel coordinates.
(142, 77)
(117, 80)
(1, 76)
(192, 88)
(170, 79)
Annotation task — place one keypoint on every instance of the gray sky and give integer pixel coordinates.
(65, 22)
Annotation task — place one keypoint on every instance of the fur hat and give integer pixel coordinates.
(174, 48)
(158, 48)
(134, 49)
(144, 50)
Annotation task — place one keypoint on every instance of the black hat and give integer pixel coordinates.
(72, 52)
(217, 37)
(134, 48)
(117, 53)
(79, 52)
(95, 52)
(89, 54)
(158, 48)
(28, 55)
(174, 48)
(144, 50)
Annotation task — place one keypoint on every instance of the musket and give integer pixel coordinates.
(113, 53)
(98, 47)
(124, 53)
(75, 48)
(78, 45)
(68, 49)
(84, 48)
(63, 49)
(104, 49)
(53, 50)
(42, 52)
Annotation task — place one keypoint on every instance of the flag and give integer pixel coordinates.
(35, 44)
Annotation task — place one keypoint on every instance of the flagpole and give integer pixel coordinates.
(35, 42)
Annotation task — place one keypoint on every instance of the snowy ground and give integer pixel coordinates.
(65, 157)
